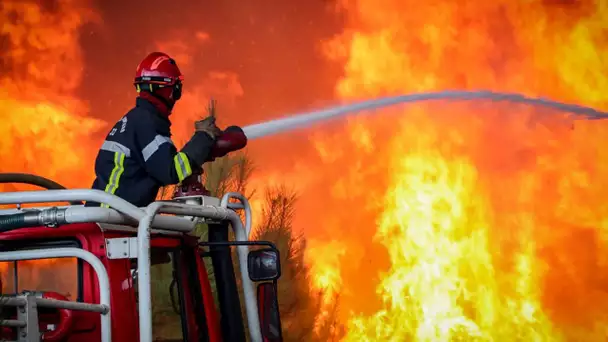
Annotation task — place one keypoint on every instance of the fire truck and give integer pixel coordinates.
(75, 273)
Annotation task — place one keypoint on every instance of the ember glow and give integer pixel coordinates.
(444, 221)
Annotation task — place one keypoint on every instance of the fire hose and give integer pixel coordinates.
(25, 178)
(51, 217)
(34, 218)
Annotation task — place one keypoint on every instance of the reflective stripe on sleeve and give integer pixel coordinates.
(154, 145)
(113, 146)
(182, 166)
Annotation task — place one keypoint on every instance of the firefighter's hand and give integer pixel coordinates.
(208, 126)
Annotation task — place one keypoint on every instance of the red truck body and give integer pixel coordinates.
(85, 326)
(67, 291)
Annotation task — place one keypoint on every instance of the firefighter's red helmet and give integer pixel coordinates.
(158, 70)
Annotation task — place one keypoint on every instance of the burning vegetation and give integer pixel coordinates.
(437, 222)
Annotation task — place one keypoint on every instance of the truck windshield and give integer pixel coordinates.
(55, 274)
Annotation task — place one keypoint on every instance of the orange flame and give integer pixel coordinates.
(44, 64)
(325, 261)
(492, 215)
(57, 274)
(443, 221)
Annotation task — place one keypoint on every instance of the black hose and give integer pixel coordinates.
(27, 219)
(11, 222)
(26, 178)
(51, 217)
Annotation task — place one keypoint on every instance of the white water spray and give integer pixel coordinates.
(306, 119)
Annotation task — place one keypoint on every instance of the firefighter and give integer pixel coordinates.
(138, 156)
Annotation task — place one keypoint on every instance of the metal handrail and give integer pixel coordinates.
(89, 195)
(218, 213)
(244, 204)
(145, 217)
(56, 304)
(80, 214)
(91, 259)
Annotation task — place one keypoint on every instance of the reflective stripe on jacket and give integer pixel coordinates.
(138, 156)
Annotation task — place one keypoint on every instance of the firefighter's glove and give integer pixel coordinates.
(208, 126)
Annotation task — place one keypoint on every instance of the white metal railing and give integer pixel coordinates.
(146, 217)
(91, 259)
(79, 214)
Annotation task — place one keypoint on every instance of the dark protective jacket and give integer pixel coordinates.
(138, 156)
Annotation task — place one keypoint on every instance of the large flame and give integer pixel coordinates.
(493, 216)
(44, 128)
(440, 222)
